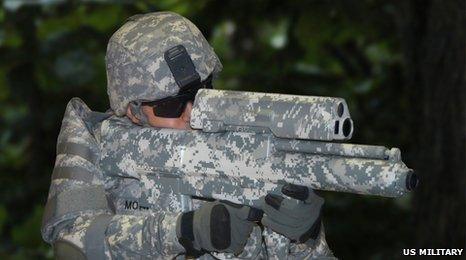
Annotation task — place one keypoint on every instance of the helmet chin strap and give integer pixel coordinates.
(136, 110)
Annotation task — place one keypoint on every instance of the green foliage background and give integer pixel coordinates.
(53, 51)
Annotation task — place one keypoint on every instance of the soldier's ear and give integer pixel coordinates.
(131, 116)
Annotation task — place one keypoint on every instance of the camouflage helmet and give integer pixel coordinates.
(136, 67)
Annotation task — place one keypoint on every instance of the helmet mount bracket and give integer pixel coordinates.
(182, 67)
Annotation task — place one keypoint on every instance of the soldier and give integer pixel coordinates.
(155, 64)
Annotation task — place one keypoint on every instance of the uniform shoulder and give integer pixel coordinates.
(76, 108)
(79, 118)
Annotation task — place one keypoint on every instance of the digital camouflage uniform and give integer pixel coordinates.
(96, 214)
(101, 214)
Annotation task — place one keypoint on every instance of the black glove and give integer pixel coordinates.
(297, 217)
(215, 226)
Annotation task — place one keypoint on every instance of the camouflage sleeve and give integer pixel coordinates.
(313, 249)
(78, 219)
(102, 236)
(280, 247)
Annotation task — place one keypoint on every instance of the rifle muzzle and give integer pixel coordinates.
(411, 181)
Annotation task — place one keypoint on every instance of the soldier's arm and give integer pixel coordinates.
(294, 221)
(79, 221)
(317, 249)
(311, 249)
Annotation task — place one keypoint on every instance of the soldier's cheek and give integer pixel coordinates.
(177, 123)
(182, 124)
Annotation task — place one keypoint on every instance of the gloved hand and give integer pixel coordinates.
(297, 217)
(215, 226)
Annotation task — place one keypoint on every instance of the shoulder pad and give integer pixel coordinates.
(76, 138)
(78, 117)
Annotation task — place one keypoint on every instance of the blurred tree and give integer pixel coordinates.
(435, 48)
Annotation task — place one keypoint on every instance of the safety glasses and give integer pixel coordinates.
(173, 107)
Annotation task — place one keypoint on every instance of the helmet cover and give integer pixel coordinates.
(136, 67)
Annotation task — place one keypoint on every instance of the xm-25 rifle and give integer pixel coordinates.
(245, 145)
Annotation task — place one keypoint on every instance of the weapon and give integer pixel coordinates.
(249, 144)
